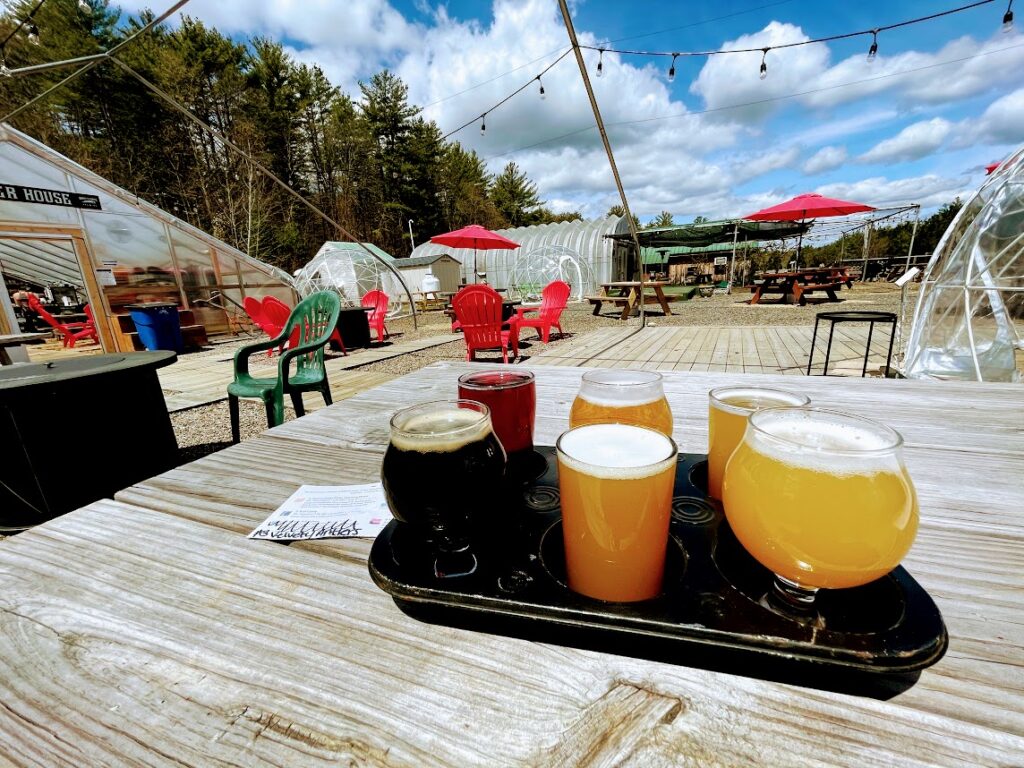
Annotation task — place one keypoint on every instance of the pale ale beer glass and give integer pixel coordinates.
(622, 397)
(615, 482)
(440, 474)
(728, 410)
(821, 498)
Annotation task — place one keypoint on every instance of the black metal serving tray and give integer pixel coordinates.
(710, 604)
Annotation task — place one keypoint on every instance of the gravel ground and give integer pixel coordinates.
(203, 430)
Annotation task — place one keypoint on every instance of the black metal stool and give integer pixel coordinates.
(853, 317)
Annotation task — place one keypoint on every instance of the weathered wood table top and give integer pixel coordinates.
(149, 631)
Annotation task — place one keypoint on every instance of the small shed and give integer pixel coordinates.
(445, 268)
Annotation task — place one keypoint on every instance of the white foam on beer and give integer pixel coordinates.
(441, 431)
(619, 388)
(809, 443)
(616, 451)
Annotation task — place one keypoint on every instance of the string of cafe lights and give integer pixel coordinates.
(1007, 25)
(764, 50)
(28, 23)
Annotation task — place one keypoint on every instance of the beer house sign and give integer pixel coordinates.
(21, 194)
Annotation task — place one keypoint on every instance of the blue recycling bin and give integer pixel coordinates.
(158, 325)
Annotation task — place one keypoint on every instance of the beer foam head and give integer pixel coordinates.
(746, 400)
(620, 387)
(439, 427)
(826, 441)
(616, 451)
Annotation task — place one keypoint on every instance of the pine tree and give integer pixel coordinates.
(515, 196)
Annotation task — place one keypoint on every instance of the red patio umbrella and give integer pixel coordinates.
(808, 206)
(991, 168)
(476, 237)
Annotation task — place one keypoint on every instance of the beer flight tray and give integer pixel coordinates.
(711, 602)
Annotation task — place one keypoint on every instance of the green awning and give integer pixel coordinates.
(714, 232)
(662, 255)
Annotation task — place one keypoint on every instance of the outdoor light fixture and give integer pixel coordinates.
(1008, 18)
(33, 33)
(672, 69)
(542, 95)
(600, 62)
(84, 7)
(764, 63)
(873, 50)
(483, 125)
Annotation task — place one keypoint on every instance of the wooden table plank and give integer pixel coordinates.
(285, 657)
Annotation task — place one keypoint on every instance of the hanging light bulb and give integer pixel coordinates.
(600, 62)
(33, 33)
(672, 69)
(873, 50)
(84, 7)
(483, 125)
(764, 63)
(542, 94)
(1008, 19)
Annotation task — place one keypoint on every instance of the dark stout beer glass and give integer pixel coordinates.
(441, 470)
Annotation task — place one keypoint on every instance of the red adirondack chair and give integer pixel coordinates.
(275, 317)
(549, 313)
(379, 301)
(478, 310)
(69, 332)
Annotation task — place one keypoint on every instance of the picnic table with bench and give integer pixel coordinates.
(626, 294)
(800, 283)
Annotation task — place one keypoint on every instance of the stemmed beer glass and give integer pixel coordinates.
(820, 498)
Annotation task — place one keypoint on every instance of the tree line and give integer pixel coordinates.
(370, 161)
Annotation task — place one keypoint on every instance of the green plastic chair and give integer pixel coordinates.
(312, 322)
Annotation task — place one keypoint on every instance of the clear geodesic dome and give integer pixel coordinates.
(966, 325)
(351, 272)
(535, 269)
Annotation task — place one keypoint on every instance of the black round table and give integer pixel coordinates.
(78, 429)
(852, 316)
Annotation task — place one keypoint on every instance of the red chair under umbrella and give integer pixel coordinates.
(478, 310)
(808, 206)
(476, 237)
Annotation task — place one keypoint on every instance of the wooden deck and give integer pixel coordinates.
(758, 349)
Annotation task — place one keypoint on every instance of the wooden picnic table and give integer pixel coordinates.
(800, 283)
(626, 294)
(150, 631)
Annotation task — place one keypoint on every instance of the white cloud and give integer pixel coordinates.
(1001, 123)
(912, 143)
(928, 190)
(733, 79)
(825, 159)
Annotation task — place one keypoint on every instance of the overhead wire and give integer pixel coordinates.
(756, 102)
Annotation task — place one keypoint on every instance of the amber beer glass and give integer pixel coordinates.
(615, 482)
(821, 498)
(622, 397)
(439, 474)
(728, 410)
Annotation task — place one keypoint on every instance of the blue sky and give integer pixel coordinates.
(942, 99)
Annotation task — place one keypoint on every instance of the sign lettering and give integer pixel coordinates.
(20, 194)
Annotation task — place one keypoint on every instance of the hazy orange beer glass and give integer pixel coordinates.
(728, 410)
(616, 485)
(821, 498)
(622, 397)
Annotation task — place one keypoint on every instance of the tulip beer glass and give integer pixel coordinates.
(615, 482)
(821, 498)
(439, 474)
(728, 410)
(622, 397)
